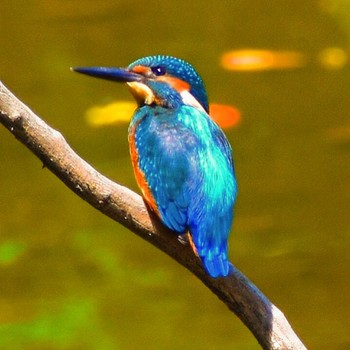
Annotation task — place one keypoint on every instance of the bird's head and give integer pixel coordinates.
(157, 80)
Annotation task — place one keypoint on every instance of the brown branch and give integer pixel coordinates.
(264, 320)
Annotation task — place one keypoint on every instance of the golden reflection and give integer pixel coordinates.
(112, 113)
(333, 58)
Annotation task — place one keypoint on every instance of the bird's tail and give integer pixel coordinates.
(216, 265)
(214, 256)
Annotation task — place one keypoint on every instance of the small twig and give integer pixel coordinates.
(265, 321)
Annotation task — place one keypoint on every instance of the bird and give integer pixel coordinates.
(181, 159)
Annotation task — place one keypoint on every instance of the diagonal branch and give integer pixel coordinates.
(265, 321)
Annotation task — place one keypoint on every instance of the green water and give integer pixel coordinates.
(73, 279)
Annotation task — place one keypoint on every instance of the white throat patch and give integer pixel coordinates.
(189, 100)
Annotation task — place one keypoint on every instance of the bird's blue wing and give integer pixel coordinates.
(164, 153)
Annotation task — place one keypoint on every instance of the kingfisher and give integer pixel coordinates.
(181, 158)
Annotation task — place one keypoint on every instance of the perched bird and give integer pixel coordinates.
(181, 158)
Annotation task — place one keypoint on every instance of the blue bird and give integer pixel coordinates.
(181, 158)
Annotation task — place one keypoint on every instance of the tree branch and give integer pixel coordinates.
(265, 321)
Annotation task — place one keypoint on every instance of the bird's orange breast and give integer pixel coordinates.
(139, 174)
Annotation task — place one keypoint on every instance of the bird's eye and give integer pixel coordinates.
(158, 70)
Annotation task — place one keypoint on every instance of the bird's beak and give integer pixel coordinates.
(121, 75)
(136, 82)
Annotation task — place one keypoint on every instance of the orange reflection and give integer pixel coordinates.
(259, 60)
(224, 115)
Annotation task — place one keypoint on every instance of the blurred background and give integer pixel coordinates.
(70, 278)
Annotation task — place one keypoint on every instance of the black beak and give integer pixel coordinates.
(122, 75)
